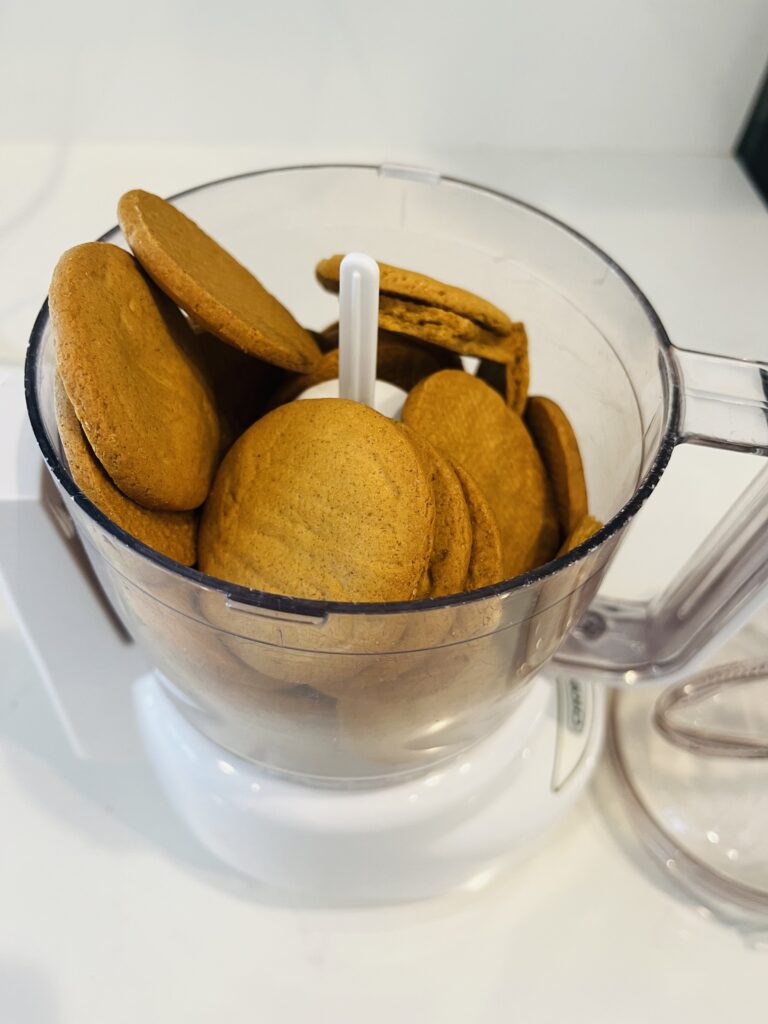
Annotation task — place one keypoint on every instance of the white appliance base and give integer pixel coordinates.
(448, 829)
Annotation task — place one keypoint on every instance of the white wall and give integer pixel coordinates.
(395, 75)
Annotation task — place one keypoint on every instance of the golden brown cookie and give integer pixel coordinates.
(123, 352)
(243, 385)
(554, 437)
(171, 533)
(210, 285)
(328, 338)
(518, 374)
(413, 286)
(449, 561)
(404, 362)
(429, 329)
(399, 361)
(441, 704)
(485, 562)
(511, 350)
(509, 379)
(470, 424)
(232, 701)
(327, 368)
(324, 500)
(451, 331)
(582, 532)
(430, 323)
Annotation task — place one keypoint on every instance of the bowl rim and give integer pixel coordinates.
(315, 609)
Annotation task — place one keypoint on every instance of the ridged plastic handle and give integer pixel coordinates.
(725, 405)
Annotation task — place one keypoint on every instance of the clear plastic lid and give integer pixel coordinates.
(692, 764)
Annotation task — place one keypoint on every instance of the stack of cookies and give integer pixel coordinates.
(177, 374)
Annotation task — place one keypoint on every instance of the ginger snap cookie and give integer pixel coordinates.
(430, 323)
(123, 352)
(556, 441)
(242, 385)
(399, 361)
(328, 338)
(404, 362)
(470, 423)
(429, 708)
(485, 561)
(210, 285)
(582, 532)
(324, 500)
(440, 314)
(413, 286)
(510, 379)
(449, 561)
(171, 533)
(450, 330)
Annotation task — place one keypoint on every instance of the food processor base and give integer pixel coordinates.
(411, 839)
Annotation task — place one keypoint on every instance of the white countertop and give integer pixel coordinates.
(109, 910)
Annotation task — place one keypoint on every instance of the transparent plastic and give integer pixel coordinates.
(636, 642)
(341, 693)
(692, 767)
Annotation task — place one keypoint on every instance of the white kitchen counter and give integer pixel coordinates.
(110, 911)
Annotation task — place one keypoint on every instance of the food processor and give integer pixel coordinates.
(390, 751)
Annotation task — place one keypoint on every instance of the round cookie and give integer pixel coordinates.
(301, 651)
(123, 352)
(327, 368)
(509, 379)
(409, 284)
(554, 437)
(449, 330)
(518, 376)
(449, 561)
(470, 424)
(404, 362)
(242, 384)
(171, 533)
(210, 285)
(511, 350)
(485, 561)
(399, 361)
(582, 532)
(444, 702)
(430, 323)
(324, 500)
(328, 338)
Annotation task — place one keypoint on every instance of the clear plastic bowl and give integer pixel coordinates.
(344, 693)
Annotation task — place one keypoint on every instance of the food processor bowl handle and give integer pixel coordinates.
(724, 405)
